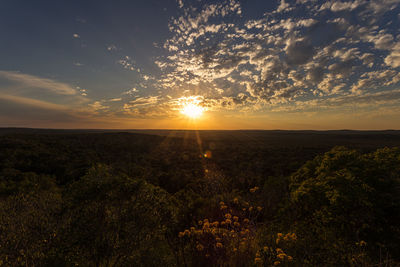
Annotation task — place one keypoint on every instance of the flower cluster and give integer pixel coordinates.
(274, 254)
(230, 239)
(231, 235)
(254, 189)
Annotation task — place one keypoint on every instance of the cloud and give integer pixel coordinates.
(112, 47)
(393, 59)
(305, 50)
(282, 6)
(28, 112)
(32, 102)
(115, 99)
(30, 99)
(75, 35)
(299, 52)
(128, 63)
(19, 81)
(98, 106)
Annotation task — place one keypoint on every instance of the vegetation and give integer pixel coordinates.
(223, 199)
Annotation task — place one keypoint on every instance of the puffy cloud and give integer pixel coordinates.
(282, 6)
(316, 74)
(393, 59)
(337, 6)
(299, 52)
(303, 50)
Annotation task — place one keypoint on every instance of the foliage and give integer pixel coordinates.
(119, 199)
(343, 198)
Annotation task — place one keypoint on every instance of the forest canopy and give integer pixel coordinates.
(124, 199)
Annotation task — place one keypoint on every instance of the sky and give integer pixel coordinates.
(250, 64)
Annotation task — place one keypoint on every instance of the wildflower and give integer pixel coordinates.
(257, 260)
(281, 256)
(244, 209)
(236, 224)
(205, 220)
(200, 222)
(181, 234)
(221, 203)
(236, 200)
(223, 223)
(265, 249)
(363, 243)
(199, 247)
(293, 236)
(234, 249)
(235, 218)
(279, 251)
(228, 221)
(290, 258)
(215, 224)
(207, 255)
(217, 239)
(219, 245)
(254, 189)
(276, 263)
(258, 254)
(192, 229)
(287, 237)
(186, 232)
(228, 216)
(259, 208)
(246, 220)
(224, 207)
(279, 235)
(251, 208)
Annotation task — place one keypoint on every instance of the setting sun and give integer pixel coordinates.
(191, 106)
(192, 110)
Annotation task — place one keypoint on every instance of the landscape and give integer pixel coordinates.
(199, 198)
(200, 133)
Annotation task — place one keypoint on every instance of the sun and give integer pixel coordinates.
(192, 110)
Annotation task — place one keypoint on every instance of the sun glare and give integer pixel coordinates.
(192, 110)
(191, 106)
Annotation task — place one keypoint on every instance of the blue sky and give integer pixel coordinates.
(300, 64)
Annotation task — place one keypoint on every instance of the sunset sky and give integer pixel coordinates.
(251, 64)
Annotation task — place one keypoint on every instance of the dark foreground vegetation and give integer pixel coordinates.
(234, 198)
